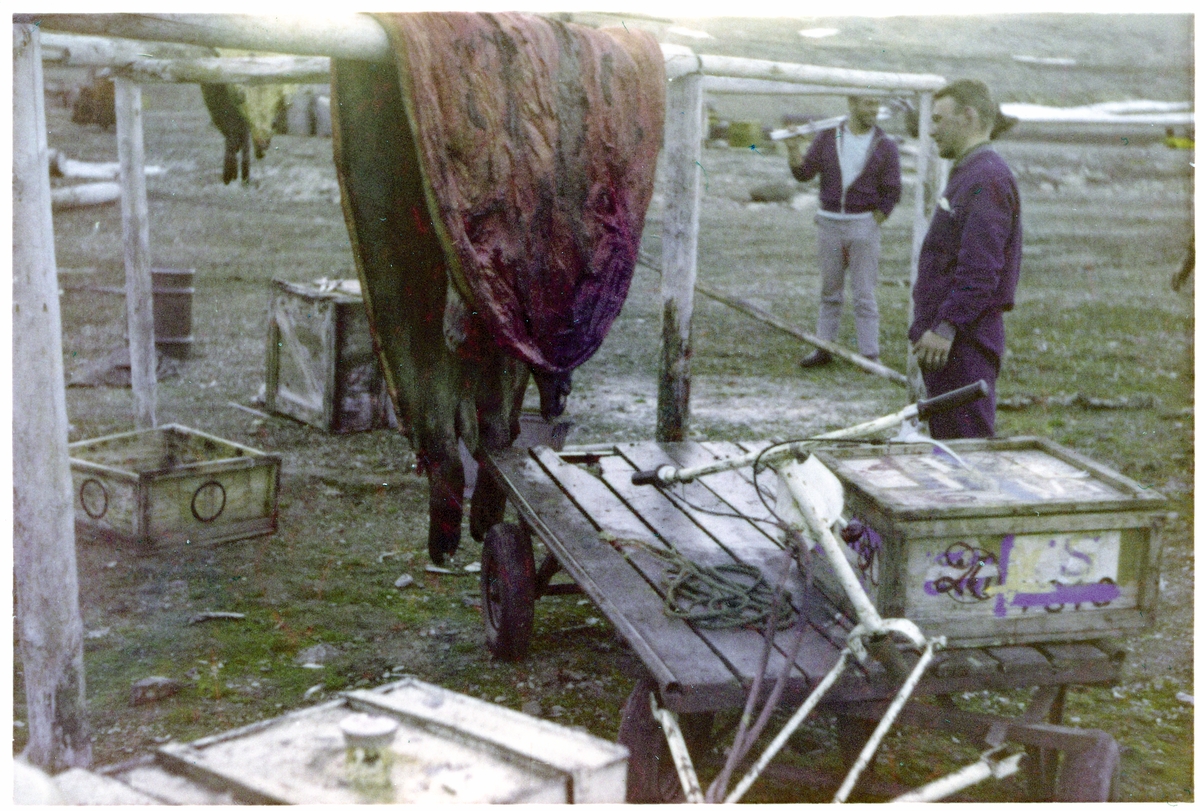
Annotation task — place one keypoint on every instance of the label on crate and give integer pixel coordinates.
(1045, 572)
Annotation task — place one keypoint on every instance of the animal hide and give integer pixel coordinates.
(495, 178)
(537, 143)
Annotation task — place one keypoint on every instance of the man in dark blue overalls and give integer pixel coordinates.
(969, 264)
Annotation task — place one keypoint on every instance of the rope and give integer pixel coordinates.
(725, 595)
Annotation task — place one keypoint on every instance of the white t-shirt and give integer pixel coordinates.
(852, 154)
(853, 151)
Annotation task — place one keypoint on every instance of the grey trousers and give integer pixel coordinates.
(849, 247)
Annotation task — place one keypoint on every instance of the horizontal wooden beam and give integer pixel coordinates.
(77, 50)
(738, 67)
(767, 87)
(221, 70)
(346, 36)
(357, 36)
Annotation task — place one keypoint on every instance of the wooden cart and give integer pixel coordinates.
(600, 530)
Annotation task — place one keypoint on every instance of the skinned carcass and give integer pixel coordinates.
(94, 102)
(495, 180)
(247, 115)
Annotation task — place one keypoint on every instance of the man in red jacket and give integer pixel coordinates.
(860, 185)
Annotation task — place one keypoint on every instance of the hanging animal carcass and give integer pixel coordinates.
(247, 115)
(94, 102)
(495, 178)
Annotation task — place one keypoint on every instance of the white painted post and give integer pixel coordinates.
(922, 214)
(682, 139)
(135, 222)
(47, 584)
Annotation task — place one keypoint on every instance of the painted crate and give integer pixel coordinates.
(1029, 542)
(173, 486)
(449, 748)
(321, 365)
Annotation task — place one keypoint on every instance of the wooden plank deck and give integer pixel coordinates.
(602, 529)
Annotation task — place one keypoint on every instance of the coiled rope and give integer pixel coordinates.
(724, 595)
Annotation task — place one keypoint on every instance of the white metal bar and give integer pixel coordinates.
(968, 776)
(44, 566)
(669, 475)
(868, 616)
(135, 224)
(789, 728)
(679, 752)
(886, 722)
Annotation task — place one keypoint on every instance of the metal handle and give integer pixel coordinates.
(952, 399)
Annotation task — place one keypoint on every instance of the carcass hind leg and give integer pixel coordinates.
(498, 398)
(445, 506)
(246, 159)
(230, 170)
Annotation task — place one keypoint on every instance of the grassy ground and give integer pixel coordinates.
(1105, 226)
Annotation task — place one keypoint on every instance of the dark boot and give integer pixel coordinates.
(818, 358)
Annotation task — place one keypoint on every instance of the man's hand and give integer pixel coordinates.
(932, 351)
(796, 147)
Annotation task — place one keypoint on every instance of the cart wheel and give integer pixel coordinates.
(507, 586)
(651, 775)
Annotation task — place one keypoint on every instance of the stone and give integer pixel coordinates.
(152, 688)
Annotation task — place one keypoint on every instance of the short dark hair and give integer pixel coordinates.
(972, 93)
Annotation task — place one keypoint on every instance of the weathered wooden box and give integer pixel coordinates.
(449, 748)
(1028, 542)
(321, 365)
(173, 486)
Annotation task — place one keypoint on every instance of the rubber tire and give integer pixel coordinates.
(507, 584)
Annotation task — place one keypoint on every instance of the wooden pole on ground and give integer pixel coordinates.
(682, 138)
(866, 364)
(758, 313)
(135, 223)
(44, 568)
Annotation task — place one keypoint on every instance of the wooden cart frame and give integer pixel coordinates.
(595, 526)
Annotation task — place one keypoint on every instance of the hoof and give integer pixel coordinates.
(441, 548)
(553, 389)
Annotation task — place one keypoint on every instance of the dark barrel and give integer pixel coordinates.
(173, 311)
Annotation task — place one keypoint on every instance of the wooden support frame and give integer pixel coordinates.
(358, 36)
(37, 345)
(49, 627)
(682, 193)
(135, 226)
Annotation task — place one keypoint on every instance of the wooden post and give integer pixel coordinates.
(47, 584)
(922, 214)
(135, 223)
(682, 140)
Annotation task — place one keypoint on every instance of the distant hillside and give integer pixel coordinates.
(1117, 57)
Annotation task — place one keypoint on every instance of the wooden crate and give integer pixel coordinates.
(1030, 542)
(173, 486)
(450, 748)
(321, 365)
